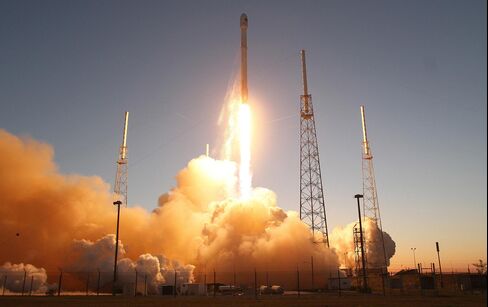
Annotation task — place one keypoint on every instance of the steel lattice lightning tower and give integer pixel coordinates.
(312, 205)
(371, 208)
(120, 187)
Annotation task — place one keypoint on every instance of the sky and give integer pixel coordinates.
(70, 69)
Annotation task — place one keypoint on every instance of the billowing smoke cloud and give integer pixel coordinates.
(63, 220)
(23, 277)
(92, 256)
(342, 239)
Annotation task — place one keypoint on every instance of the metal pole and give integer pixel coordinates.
(174, 291)
(311, 264)
(339, 278)
(59, 282)
(87, 282)
(145, 284)
(32, 281)
(23, 283)
(298, 281)
(98, 282)
(383, 275)
(255, 284)
(234, 276)
(116, 203)
(433, 273)
(4, 285)
(439, 259)
(214, 283)
(363, 262)
(135, 288)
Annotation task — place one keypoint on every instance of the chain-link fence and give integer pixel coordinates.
(238, 283)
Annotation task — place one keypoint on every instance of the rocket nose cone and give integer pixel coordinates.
(244, 20)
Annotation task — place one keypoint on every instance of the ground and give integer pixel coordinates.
(329, 300)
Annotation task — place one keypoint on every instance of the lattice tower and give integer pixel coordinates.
(121, 177)
(312, 205)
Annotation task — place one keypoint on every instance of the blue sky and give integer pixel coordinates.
(69, 70)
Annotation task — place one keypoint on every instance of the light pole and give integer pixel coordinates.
(414, 260)
(363, 262)
(116, 203)
(439, 259)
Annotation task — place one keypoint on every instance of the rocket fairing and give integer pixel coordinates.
(244, 23)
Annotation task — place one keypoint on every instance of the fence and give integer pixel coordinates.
(247, 283)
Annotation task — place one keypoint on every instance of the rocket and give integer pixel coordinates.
(244, 58)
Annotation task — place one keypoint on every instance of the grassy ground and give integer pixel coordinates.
(323, 300)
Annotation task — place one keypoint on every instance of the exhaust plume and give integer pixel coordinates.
(342, 240)
(15, 277)
(68, 221)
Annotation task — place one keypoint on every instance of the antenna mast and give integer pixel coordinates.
(312, 205)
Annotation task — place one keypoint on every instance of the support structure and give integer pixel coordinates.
(121, 177)
(357, 251)
(312, 205)
(371, 207)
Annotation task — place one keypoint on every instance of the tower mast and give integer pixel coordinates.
(371, 207)
(312, 205)
(120, 187)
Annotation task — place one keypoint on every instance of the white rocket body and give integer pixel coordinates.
(244, 58)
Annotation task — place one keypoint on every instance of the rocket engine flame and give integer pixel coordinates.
(245, 177)
(236, 119)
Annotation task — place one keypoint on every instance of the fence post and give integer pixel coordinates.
(383, 282)
(298, 282)
(174, 289)
(30, 289)
(98, 282)
(205, 282)
(145, 284)
(255, 284)
(4, 284)
(23, 283)
(135, 286)
(60, 281)
(214, 283)
(87, 282)
(433, 275)
(339, 279)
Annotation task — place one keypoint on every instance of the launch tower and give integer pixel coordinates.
(120, 187)
(312, 205)
(371, 208)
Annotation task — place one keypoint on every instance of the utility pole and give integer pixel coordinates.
(363, 262)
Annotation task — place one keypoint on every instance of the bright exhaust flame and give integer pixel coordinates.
(245, 177)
